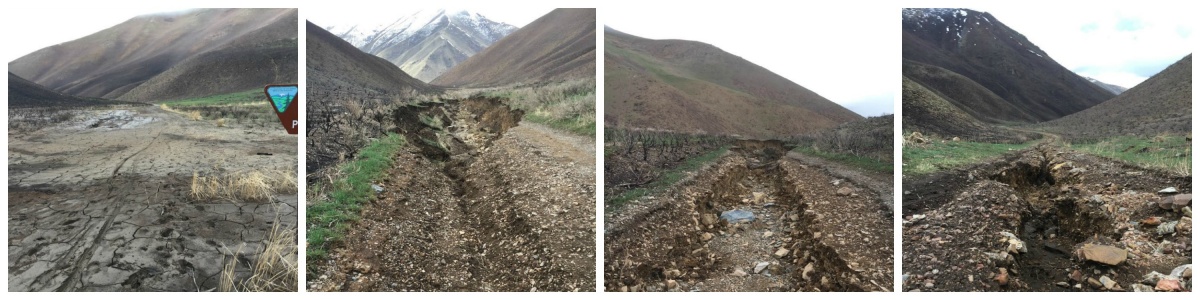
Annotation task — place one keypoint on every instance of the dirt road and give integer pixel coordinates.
(1045, 219)
(509, 212)
(100, 202)
(811, 230)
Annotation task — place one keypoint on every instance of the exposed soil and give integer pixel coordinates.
(100, 202)
(477, 202)
(805, 235)
(1022, 222)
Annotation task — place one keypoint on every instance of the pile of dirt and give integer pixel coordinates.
(809, 231)
(1045, 219)
(476, 203)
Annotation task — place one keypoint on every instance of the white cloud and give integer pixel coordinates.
(1119, 45)
(846, 54)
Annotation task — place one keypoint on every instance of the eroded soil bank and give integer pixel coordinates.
(1047, 219)
(478, 201)
(811, 231)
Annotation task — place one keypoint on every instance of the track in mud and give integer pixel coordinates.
(112, 212)
(472, 205)
(1037, 220)
(805, 235)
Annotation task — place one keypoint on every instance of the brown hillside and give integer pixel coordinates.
(24, 94)
(690, 86)
(1161, 104)
(1031, 86)
(246, 44)
(559, 45)
(335, 68)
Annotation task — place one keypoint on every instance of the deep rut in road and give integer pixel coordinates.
(468, 207)
(804, 235)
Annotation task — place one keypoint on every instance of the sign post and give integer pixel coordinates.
(283, 99)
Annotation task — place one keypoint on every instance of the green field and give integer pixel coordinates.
(865, 163)
(1165, 152)
(255, 96)
(671, 177)
(941, 155)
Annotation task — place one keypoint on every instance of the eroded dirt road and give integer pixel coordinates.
(100, 203)
(812, 230)
(482, 203)
(1046, 219)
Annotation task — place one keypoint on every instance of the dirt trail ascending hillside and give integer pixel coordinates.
(491, 207)
(99, 203)
(811, 231)
(1046, 219)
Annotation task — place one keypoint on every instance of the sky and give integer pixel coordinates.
(1122, 46)
(516, 15)
(52, 30)
(847, 55)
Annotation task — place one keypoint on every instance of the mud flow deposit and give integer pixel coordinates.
(102, 200)
(1048, 219)
(755, 220)
(475, 201)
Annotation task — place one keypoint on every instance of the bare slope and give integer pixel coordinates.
(691, 86)
(1032, 87)
(23, 93)
(335, 68)
(161, 57)
(559, 45)
(1161, 104)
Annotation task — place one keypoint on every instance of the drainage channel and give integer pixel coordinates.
(743, 224)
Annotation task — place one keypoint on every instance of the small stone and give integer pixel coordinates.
(1002, 278)
(1169, 190)
(378, 189)
(845, 191)
(1094, 283)
(704, 237)
(1152, 277)
(1137, 287)
(824, 280)
(671, 284)
(708, 219)
(624, 289)
(1076, 276)
(768, 234)
(1104, 254)
(807, 270)
(1168, 284)
(1152, 221)
(1107, 282)
(758, 196)
(739, 272)
(1063, 284)
(782, 252)
(928, 283)
(970, 278)
(759, 267)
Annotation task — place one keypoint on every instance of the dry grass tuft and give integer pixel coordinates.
(274, 271)
(195, 116)
(221, 122)
(252, 186)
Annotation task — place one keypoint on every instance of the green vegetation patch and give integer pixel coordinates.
(861, 162)
(1169, 153)
(569, 106)
(939, 155)
(671, 177)
(328, 220)
(255, 96)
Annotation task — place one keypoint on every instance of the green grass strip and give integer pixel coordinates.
(865, 163)
(329, 220)
(935, 156)
(669, 178)
(1164, 152)
(251, 96)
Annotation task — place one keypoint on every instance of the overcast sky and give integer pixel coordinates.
(849, 56)
(1122, 46)
(516, 15)
(32, 29)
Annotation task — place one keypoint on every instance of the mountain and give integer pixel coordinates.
(160, 57)
(692, 86)
(427, 43)
(1030, 86)
(1161, 104)
(1115, 89)
(24, 93)
(557, 46)
(335, 68)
